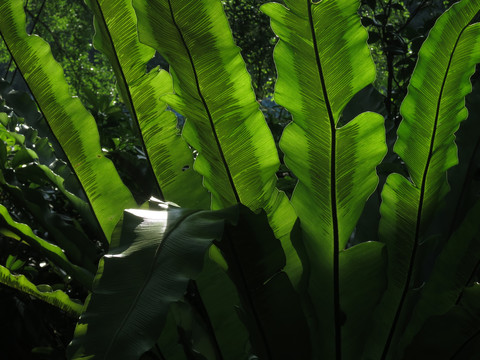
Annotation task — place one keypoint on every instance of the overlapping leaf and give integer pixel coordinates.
(236, 152)
(56, 298)
(363, 281)
(454, 335)
(147, 268)
(52, 252)
(432, 112)
(168, 154)
(323, 61)
(23, 170)
(453, 270)
(71, 240)
(220, 297)
(71, 124)
(278, 328)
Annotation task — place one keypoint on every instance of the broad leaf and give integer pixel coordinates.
(454, 269)
(363, 281)
(147, 268)
(462, 178)
(323, 60)
(72, 125)
(432, 112)
(56, 298)
(168, 154)
(221, 300)
(236, 152)
(169, 343)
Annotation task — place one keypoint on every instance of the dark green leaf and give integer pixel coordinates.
(453, 335)
(278, 328)
(56, 298)
(147, 268)
(453, 270)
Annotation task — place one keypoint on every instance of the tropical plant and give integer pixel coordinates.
(225, 266)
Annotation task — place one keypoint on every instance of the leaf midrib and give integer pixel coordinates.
(248, 293)
(148, 276)
(129, 95)
(333, 189)
(69, 162)
(421, 202)
(205, 105)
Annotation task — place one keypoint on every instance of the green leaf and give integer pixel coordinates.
(224, 124)
(323, 60)
(363, 281)
(34, 173)
(39, 171)
(278, 328)
(462, 177)
(4, 119)
(72, 240)
(168, 154)
(147, 268)
(52, 252)
(432, 112)
(221, 299)
(169, 343)
(193, 332)
(237, 155)
(452, 272)
(56, 298)
(13, 263)
(10, 234)
(453, 335)
(72, 125)
(23, 156)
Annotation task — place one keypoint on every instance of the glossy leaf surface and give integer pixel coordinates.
(147, 269)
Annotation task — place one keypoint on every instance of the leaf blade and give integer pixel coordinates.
(451, 274)
(237, 155)
(169, 156)
(432, 112)
(158, 251)
(72, 125)
(51, 251)
(278, 329)
(56, 298)
(323, 60)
